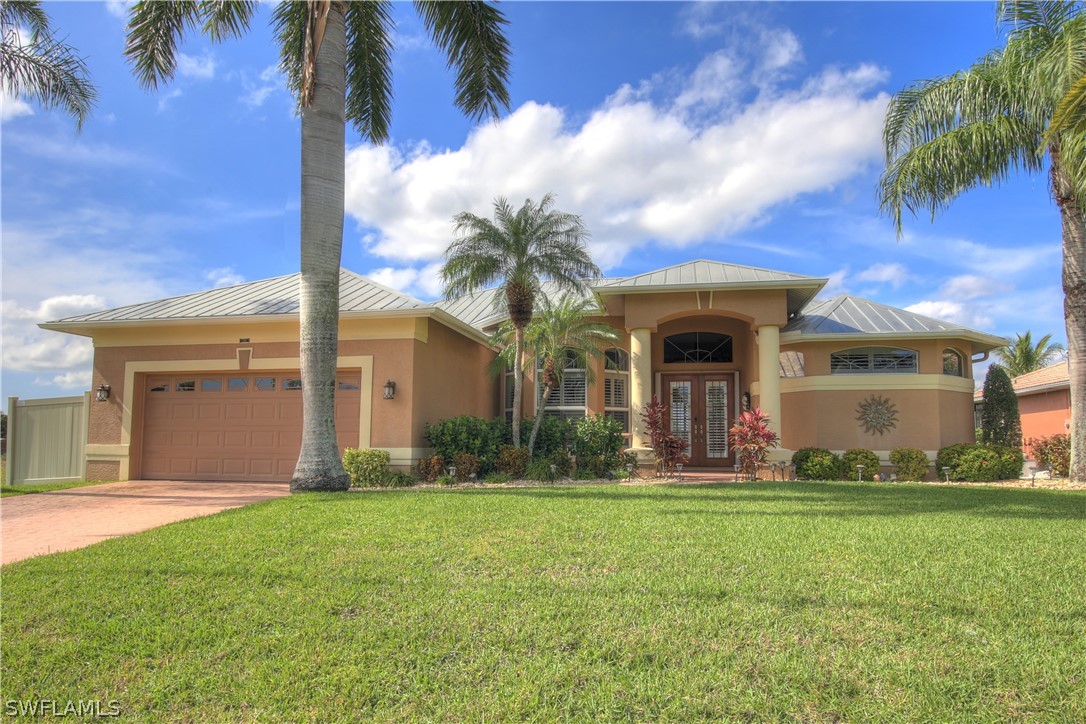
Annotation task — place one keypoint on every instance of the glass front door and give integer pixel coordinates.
(701, 415)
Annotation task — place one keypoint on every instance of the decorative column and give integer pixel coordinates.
(769, 375)
(640, 384)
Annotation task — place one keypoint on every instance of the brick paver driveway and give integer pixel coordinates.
(59, 521)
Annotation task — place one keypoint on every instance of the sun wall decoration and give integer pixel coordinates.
(877, 414)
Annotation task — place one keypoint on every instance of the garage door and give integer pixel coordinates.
(233, 426)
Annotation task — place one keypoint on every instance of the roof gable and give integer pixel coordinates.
(846, 314)
(704, 273)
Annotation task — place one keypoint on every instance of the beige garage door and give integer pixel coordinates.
(233, 426)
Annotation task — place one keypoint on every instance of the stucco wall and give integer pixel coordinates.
(754, 306)
(1045, 413)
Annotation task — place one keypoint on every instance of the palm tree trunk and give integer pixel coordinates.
(518, 383)
(540, 409)
(323, 153)
(1074, 307)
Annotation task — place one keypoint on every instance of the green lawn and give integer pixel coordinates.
(816, 601)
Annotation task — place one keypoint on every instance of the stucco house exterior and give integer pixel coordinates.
(206, 385)
(1044, 402)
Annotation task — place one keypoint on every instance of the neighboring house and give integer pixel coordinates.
(1044, 401)
(206, 385)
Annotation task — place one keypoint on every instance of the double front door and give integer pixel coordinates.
(701, 412)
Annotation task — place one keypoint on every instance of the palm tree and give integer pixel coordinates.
(979, 126)
(519, 249)
(1022, 355)
(561, 332)
(338, 60)
(40, 67)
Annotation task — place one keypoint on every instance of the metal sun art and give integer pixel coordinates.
(877, 414)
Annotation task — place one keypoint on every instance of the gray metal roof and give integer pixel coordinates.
(849, 315)
(704, 274)
(260, 298)
(482, 309)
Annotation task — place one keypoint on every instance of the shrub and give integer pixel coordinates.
(466, 434)
(561, 461)
(1053, 453)
(909, 463)
(999, 421)
(668, 448)
(498, 478)
(466, 465)
(445, 480)
(816, 463)
(512, 461)
(431, 468)
(978, 463)
(540, 469)
(751, 438)
(554, 434)
(856, 457)
(597, 442)
(366, 468)
(400, 479)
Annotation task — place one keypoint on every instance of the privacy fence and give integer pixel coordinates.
(47, 439)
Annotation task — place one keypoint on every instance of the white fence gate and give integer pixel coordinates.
(47, 439)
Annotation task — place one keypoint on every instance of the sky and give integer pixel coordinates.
(747, 133)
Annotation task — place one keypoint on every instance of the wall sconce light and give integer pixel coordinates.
(102, 393)
(390, 390)
(746, 401)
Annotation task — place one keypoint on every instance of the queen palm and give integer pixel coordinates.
(44, 69)
(518, 249)
(1022, 355)
(980, 125)
(560, 333)
(337, 57)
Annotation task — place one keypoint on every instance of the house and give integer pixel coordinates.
(1044, 401)
(206, 385)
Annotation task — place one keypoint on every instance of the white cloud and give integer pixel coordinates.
(256, 93)
(835, 285)
(699, 21)
(638, 171)
(894, 274)
(424, 282)
(75, 151)
(971, 286)
(949, 311)
(716, 79)
(223, 277)
(69, 380)
(164, 101)
(13, 107)
(200, 68)
(119, 8)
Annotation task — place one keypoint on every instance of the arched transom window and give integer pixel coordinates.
(695, 347)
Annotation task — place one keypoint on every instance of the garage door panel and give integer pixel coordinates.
(235, 430)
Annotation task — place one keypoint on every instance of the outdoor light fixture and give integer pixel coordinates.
(390, 390)
(746, 400)
(452, 471)
(946, 472)
(679, 467)
(859, 473)
(102, 393)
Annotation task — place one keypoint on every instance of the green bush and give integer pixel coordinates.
(999, 418)
(978, 463)
(540, 469)
(400, 479)
(562, 462)
(512, 461)
(816, 463)
(909, 463)
(466, 465)
(366, 468)
(597, 442)
(497, 478)
(431, 468)
(858, 456)
(466, 434)
(445, 480)
(1053, 453)
(554, 434)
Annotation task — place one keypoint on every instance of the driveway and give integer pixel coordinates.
(41, 523)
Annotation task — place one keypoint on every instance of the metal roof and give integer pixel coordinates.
(704, 274)
(849, 315)
(261, 298)
(482, 309)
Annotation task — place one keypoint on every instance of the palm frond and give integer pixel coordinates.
(16, 13)
(47, 71)
(471, 34)
(290, 20)
(154, 31)
(1044, 15)
(226, 18)
(369, 68)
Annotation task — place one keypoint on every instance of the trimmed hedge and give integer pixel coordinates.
(910, 463)
(859, 456)
(1053, 453)
(979, 463)
(467, 434)
(816, 463)
(366, 468)
(598, 442)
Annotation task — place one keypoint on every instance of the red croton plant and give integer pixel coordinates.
(751, 438)
(669, 448)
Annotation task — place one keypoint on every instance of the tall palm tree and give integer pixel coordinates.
(560, 332)
(39, 66)
(1022, 355)
(980, 125)
(338, 60)
(518, 249)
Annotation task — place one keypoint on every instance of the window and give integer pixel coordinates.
(508, 383)
(953, 363)
(616, 386)
(160, 386)
(186, 386)
(568, 401)
(264, 384)
(348, 385)
(873, 360)
(237, 384)
(211, 385)
(697, 347)
(292, 383)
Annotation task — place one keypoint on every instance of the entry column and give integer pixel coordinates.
(640, 384)
(769, 380)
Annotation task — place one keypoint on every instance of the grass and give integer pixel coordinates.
(816, 601)
(30, 488)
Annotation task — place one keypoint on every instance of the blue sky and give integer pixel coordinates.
(745, 132)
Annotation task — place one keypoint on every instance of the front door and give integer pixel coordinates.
(700, 415)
